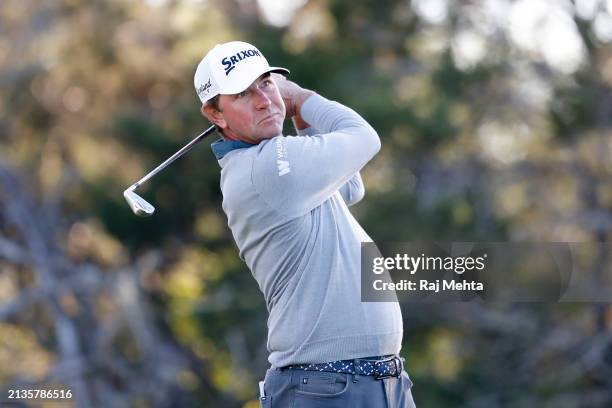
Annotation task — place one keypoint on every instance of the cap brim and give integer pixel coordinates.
(280, 70)
(237, 88)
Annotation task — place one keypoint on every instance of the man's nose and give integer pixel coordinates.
(262, 100)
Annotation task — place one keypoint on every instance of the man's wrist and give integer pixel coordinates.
(299, 123)
(300, 99)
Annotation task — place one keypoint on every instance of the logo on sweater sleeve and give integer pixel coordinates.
(282, 161)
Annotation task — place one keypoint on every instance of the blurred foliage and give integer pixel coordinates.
(484, 139)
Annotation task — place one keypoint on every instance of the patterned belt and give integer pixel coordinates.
(384, 368)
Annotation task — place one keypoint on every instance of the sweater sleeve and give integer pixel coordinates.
(296, 174)
(309, 131)
(353, 190)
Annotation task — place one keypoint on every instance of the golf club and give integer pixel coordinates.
(138, 204)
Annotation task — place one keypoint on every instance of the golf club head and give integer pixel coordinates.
(138, 204)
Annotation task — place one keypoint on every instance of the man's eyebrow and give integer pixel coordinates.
(263, 76)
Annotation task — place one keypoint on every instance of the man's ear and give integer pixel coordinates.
(214, 115)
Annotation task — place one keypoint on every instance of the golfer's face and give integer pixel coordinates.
(255, 114)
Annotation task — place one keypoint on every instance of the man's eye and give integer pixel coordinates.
(266, 82)
(243, 94)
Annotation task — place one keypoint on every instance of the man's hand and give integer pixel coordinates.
(293, 95)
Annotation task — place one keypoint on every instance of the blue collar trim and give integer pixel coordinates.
(222, 146)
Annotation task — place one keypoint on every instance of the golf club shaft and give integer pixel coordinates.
(175, 156)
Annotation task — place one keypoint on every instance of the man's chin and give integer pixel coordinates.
(272, 132)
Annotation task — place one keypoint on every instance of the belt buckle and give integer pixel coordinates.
(398, 369)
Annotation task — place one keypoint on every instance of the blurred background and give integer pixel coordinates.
(496, 125)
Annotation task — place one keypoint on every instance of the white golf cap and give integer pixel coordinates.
(230, 68)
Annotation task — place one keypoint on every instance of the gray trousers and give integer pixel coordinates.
(291, 388)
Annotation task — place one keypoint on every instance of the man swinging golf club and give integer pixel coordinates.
(286, 200)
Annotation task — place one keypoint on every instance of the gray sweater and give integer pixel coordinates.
(286, 202)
